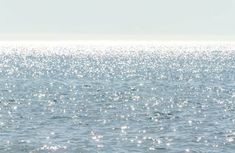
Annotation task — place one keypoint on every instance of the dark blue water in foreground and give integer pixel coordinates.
(149, 99)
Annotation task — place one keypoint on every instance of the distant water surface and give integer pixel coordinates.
(149, 97)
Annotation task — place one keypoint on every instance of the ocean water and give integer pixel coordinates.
(117, 97)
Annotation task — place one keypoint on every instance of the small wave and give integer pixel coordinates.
(49, 148)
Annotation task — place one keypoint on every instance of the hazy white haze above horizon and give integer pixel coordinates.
(117, 19)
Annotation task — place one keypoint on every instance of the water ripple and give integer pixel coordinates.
(144, 97)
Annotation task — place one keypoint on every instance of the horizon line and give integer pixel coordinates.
(116, 41)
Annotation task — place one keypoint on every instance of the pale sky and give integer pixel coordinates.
(117, 19)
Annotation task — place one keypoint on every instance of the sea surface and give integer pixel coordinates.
(117, 97)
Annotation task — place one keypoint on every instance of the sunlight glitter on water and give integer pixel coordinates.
(117, 97)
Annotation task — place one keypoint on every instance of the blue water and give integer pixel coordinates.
(117, 98)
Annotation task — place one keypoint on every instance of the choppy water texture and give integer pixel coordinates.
(149, 97)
